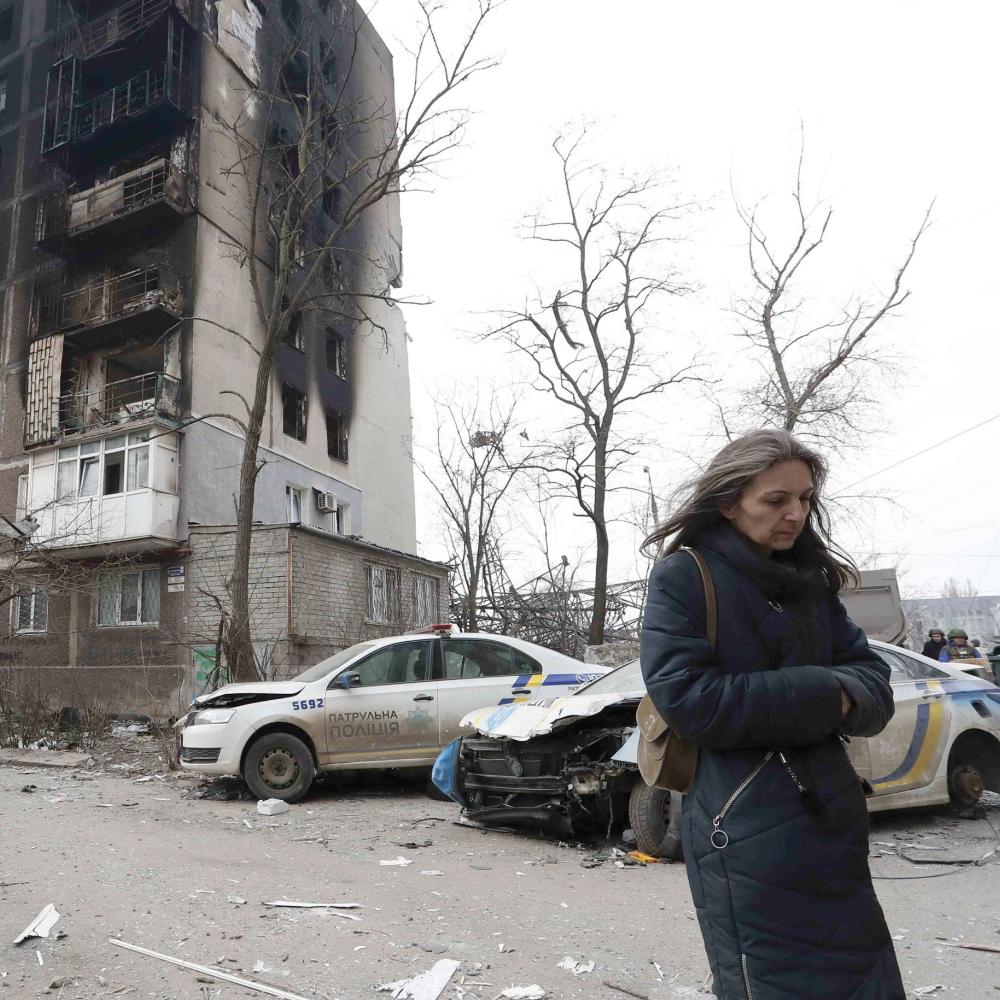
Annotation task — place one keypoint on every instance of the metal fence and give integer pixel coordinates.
(119, 402)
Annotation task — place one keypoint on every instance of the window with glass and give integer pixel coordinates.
(467, 658)
(382, 592)
(129, 597)
(30, 611)
(104, 468)
(293, 504)
(425, 599)
(293, 411)
(403, 663)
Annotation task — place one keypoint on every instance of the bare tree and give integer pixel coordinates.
(471, 474)
(820, 370)
(313, 155)
(593, 345)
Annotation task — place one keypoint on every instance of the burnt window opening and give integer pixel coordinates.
(332, 128)
(333, 199)
(295, 76)
(330, 70)
(6, 22)
(336, 435)
(336, 353)
(293, 331)
(291, 14)
(293, 412)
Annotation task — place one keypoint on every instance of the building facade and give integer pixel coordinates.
(129, 339)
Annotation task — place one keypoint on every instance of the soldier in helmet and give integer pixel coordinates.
(957, 647)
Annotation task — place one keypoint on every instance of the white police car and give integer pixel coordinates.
(385, 703)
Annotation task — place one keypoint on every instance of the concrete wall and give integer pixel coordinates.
(377, 479)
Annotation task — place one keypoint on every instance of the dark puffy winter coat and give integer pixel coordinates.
(784, 897)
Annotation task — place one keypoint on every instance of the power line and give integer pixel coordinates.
(923, 451)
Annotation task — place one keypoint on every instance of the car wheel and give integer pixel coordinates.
(279, 766)
(965, 784)
(655, 815)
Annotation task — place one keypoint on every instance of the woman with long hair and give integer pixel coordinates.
(774, 826)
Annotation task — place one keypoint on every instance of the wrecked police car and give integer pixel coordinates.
(569, 764)
(385, 703)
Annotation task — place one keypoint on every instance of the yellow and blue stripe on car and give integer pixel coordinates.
(525, 685)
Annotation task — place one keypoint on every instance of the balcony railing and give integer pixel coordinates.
(61, 215)
(104, 300)
(161, 84)
(113, 27)
(119, 402)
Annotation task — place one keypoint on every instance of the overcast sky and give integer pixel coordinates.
(897, 100)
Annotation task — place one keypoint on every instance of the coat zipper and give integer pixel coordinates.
(746, 977)
(719, 837)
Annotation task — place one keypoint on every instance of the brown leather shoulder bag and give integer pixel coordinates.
(667, 759)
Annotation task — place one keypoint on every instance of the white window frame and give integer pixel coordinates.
(381, 593)
(21, 510)
(89, 451)
(293, 497)
(38, 615)
(143, 572)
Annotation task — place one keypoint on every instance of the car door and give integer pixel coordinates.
(476, 673)
(907, 753)
(390, 713)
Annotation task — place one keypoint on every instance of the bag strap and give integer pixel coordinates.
(711, 606)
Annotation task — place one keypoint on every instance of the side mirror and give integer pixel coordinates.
(346, 681)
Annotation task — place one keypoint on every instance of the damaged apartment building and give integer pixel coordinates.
(120, 368)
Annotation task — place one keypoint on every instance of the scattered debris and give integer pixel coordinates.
(643, 859)
(974, 947)
(627, 990)
(432, 871)
(56, 799)
(132, 729)
(63, 981)
(533, 992)
(223, 789)
(30, 788)
(41, 925)
(272, 807)
(427, 986)
(208, 970)
(43, 758)
(570, 964)
(413, 845)
(923, 991)
(236, 900)
(335, 908)
(916, 855)
(399, 862)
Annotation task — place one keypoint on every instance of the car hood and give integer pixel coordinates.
(536, 718)
(246, 694)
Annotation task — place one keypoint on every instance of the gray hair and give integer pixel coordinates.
(723, 483)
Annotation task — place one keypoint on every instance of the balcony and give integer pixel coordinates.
(121, 402)
(154, 193)
(160, 87)
(146, 299)
(116, 25)
(118, 491)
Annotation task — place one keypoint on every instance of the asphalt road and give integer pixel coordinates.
(134, 860)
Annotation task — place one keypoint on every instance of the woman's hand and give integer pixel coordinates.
(845, 704)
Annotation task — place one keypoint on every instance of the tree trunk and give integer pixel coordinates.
(238, 643)
(599, 612)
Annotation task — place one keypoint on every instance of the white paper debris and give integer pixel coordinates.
(923, 991)
(400, 862)
(432, 872)
(41, 925)
(427, 986)
(533, 992)
(570, 964)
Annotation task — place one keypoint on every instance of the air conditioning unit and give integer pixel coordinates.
(326, 503)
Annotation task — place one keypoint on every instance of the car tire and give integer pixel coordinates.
(655, 814)
(279, 766)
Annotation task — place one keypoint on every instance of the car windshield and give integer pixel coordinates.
(331, 663)
(624, 680)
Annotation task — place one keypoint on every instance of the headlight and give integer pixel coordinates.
(209, 716)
